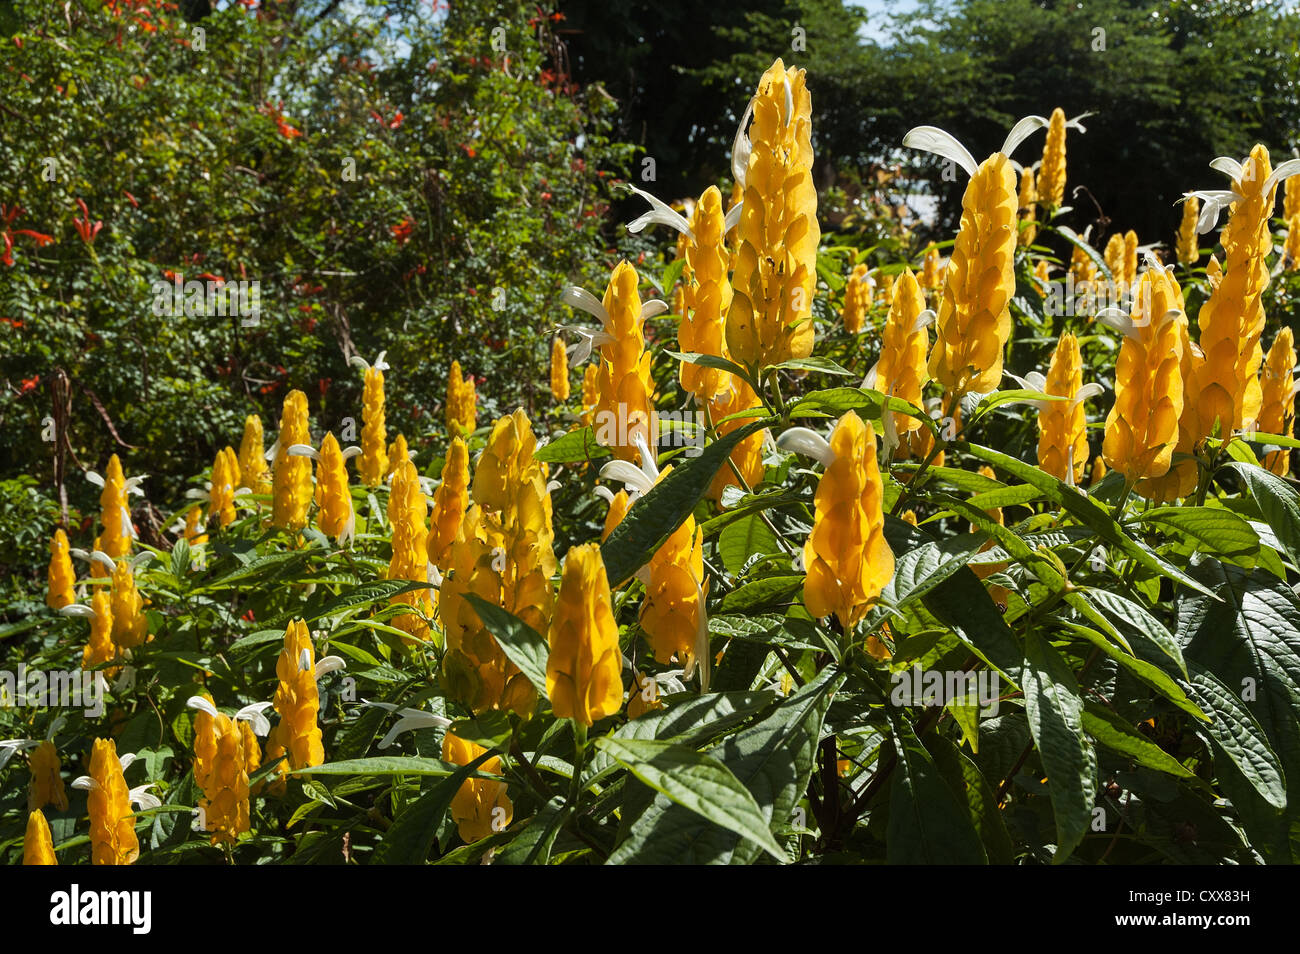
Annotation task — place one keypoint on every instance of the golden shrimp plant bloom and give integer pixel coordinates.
(115, 515)
(462, 402)
(480, 806)
(129, 624)
(1187, 243)
(100, 647)
(221, 771)
(297, 700)
(252, 457)
(291, 475)
(47, 782)
(1051, 173)
(583, 670)
(901, 371)
(450, 502)
(857, 299)
(559, 372)
(770, 320)
(1028, 199)
(672, 613)
(504, 554)
(708, 296)
(1180, 479)
(60, 575)
(408, 514)
(112, 828)
(1142, 427)
(847, 558)
(38, 844)
(1062, 425)
(974, 319)
(333, 495)
(221, 495)
(373, 466)
(1277, 408)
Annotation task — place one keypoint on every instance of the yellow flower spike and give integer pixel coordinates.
(1187, 243)
(1028, 199)
(252, 457)
(559, 372)
(373, 465)
(205, 742)
(1291, 246)
(61, 575)
(397, 452)
(1213, 271)
(333, 496)
(112, 829)
(221, 496)
(847, 558)
(901, 371)
(909, 516)
(1231, 320)
(770, 320)
(46, 787)
(623, 383)
(583, 671)
(1098, 471)
(974, 320)
(252, 752)
(747, 456)
(590, 395)
(129, 624)
(480, 806)
(931, 273)
(1114, 256)
(462, 402)
(887, 289)
(291, 476)
(297, 700)
(225, 794)
(672, 613)
(1051, 174)
(1290, 199)
(619, 504)
(857, 299)
(1277, 409)
(1180, 479)
(1142, 427)
(115, 514)
(709, 297)
(193, 533)
(450, 502)
(38, 843)
(1082, 267)
(504, 554)
(100, 647)
(1130, 258)
(1062, 425)
(408, 512)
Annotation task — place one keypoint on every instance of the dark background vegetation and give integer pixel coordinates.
(481, 168)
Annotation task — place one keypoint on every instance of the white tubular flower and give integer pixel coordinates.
(943, 144)
(802, 440)
(660, 214)
(10, 747)
(409, 720)
(357, 361)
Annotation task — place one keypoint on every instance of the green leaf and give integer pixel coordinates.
(1214, 529)
(761, 594)
(376, 591)
(927, 824)
(408, 840)
(744, 539)
(1237, 738)
(1055, 713)
(1114, 733)
(577, 445)
(1278, 502)
(382, 765)
(654, 516)
(969, 785)
(532, 846)
(1143, 628)
(773, 759)
(811, 363)
(697, 781)
(523, 645)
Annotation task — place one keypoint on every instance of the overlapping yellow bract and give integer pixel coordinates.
(61, 575)
(857, 299)
(1277, 404)
(623, 383)
(559, 371)
(902, 371)
(1062, 425)
(480, 806)
(583, 670)
(1051, 173)
(297, 700)
(776, 255)
(112, 827)
(291, 475)
(373, 465)
(707, 296)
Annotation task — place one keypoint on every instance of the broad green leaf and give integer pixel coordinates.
(739, 542)
(532, 846)
(1214, 529)
(1114, 733)
(696, 781)
(1237, 738)
(1278, 502)
(1055, 711)
(523, 645)
(577, 445)
(408, 840)
(969, 785)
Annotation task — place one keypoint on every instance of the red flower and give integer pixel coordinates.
(40, 237)
(13, 322)
(402, 230)
(546, 197)
(85, 228)
(8, 256)
(132, 199)
(29, 384)
(10, 213)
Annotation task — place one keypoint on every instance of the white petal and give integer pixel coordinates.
(608, 495)
(584, 300)
(252, 714)
(330, 664)
(802, 440)
(380, 363)
(649, 461)
(94, 478)
(104, 558)
(660, 214)
(870, 380)
(303, 450)
(76, 609)
(1075, 124)
(351, 452)
(85, 783)
(128, 759)
(357, 361)
(924, 320)
(140, 559)
(1115, 318)
(934, 140)
(304, 661)
(654, 308)
(741, 147)
(1228, 166)
(732, 217)
(1022, 131)
(1284, 171)
(141, 797)
(628, 474)
(203, 705)
(1088, 391)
